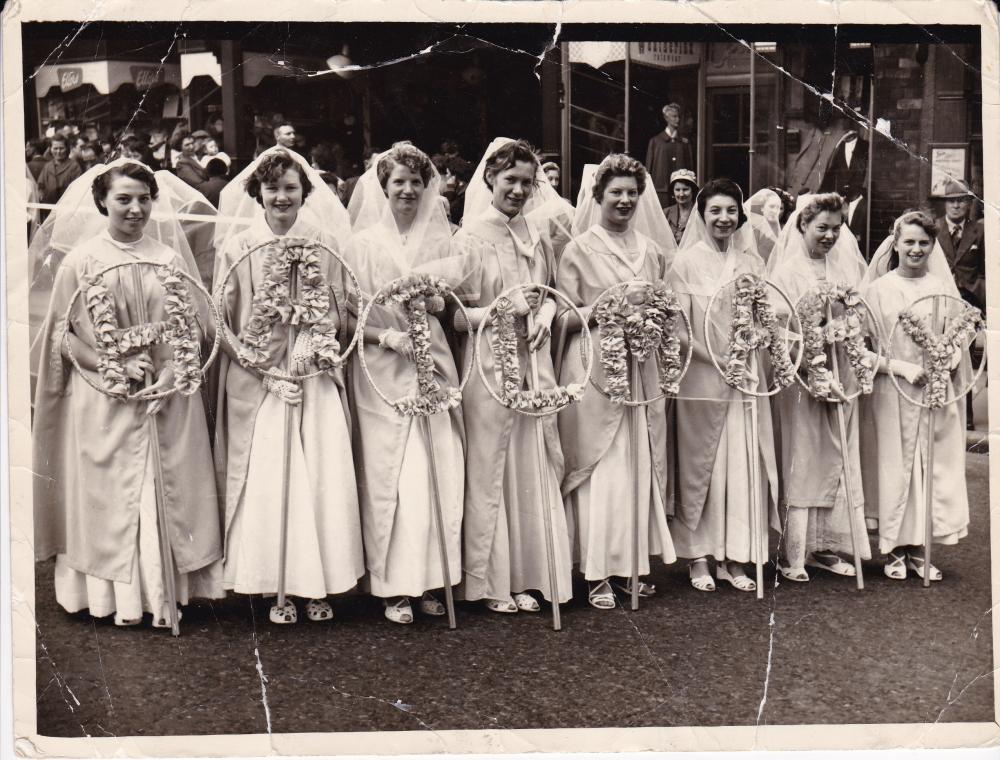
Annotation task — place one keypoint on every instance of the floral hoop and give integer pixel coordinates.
(751, 304)
(938, 349)
(847, 329)
(115, 343)
(647, 329)
(272, 302)
(536, 403)
(409, 292)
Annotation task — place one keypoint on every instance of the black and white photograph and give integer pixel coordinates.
(435, 376)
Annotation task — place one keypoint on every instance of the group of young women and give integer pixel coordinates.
(361, 496)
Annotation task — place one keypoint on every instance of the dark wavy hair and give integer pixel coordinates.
(918, 217)
(270, 169)
(405, 154)
(618, 165)
(817, 204)
(138, 172)
(506, 156)
(727, 188)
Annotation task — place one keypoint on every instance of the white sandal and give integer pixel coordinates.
(601, 596)
(895, 566)
(284, 615)
(429, 605)
(701, 582)
(505, 606)
(318, 610)
(646, 590)
(526, 602)
(742, 582)
(797, 574)
(911, 563)
(838, 566)
(399, 611)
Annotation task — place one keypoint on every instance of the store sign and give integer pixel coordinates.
(70, 78)
(667, 55)
(146, 77)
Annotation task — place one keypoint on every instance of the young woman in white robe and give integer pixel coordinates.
(609, 248)
(711, 444)
(907, 267)
(503, 532)
(816, 524)
(94, 495)
(400, 228)
(280, 196)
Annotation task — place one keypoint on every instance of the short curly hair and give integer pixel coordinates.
(270, 169)
(817, 204)
(618, 165)
(506, 156)
(727, 188)
(133, 170)
(918, 217)
(404, 154)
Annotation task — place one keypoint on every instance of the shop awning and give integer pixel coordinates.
(199, 64)
(105, 76)
(256, 66)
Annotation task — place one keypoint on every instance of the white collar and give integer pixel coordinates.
(615, 244)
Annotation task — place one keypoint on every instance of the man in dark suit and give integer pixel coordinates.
(964, 244)
(847, 173)
(667, 152)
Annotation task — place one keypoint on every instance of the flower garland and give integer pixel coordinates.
(939, 349)
(113, 343)
(272, 302)
(750, 305)
(846, 329)
(646, 328)
(503, 322)
(417, 294)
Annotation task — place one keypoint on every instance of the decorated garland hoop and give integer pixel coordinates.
(647, 326)
(549, 401)
(750, 306)
(271, 299)
(430, 397)
(811, 311)
(114, 343)
(937, 349)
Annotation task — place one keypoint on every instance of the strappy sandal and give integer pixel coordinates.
(164, 622)
(601, 596)
(701, 582)
(318, 610)
(284, 615)
(505, 606)
(837, 566)
(911, 563)
(526, 602)
(799, 575)
(429, 605)
(645, 589)
(741, 582)
(895, 566)
(399, 611)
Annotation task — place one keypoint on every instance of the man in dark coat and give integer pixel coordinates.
(847, 174)
(667, 152)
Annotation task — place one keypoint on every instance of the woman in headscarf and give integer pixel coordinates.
(503, 532)
(95, 501)
(908, 266)
(609, 248)
(400, 228)
(764, 211)
(683, 188)
(280, 196)
(713, 446)
(817, 524)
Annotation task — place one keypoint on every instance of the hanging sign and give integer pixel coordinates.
(666, 55)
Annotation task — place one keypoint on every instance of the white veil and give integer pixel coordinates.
(426, 248)
(647, 220)
(321, 209)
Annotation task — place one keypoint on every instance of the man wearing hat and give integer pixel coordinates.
(667, 152)
(964, 244)
(681, 191)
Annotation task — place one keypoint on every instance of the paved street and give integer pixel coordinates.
(894, 653)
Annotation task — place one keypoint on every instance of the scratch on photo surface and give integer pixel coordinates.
(100, 661)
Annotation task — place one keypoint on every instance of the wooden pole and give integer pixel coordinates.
(293, 285)
(848, 484)
(929, 477)
(633, 438)
(753, 107)
(543, 487)
(166, 552)
(760, 546)
(449, 599)
(867, 252)
(628, 94)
